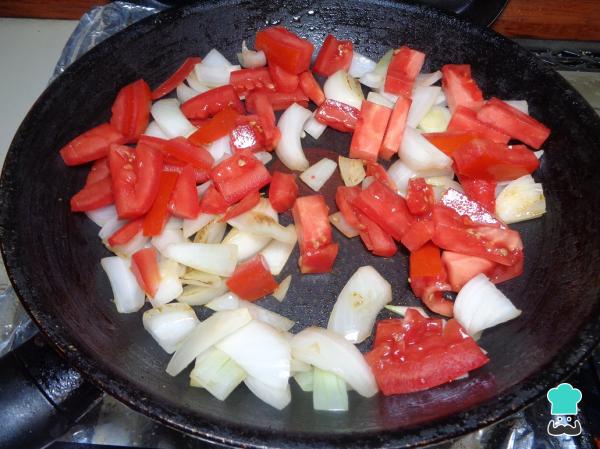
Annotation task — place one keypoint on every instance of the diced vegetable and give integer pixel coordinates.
(329, 392)
(318, 174)
(251, 59)
(334, 55)
(252, 279)
(404, 67)
(289, 149)
(283, 191)
(131, 110)
(248, 244)
(215, 371)
(369, 132)
(128, 295)
(91, 145)
(285, 49)
(420, 155)
(460, 88)
(436, 120)
(360, 65)
(211, 258)
(395, 128)
(352, 171)
(169, 324)
(277, 253)
(278, 398)
(282, 288)
(343, 88)
(338, 115)
(522, 199)
(170, 119)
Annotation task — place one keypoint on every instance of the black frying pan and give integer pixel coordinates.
(52, 255)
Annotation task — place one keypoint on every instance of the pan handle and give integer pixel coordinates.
(41, 397)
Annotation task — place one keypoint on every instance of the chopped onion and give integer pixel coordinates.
(206, 334)
(195, 84)
(110, 227)
(211, 258)
(297, 365)
(377, 98)
(197, 295)
(521, 105)
(278, 398)
(420, 155)
(170, 286)
(428, 79)
(343, 88)
(170, 118)
(522, 199)
(263, 224)
(331, 352)
(367, 182)
(480, 305)
(220, 149)
(214, 58)
(376, 78)
(539, 153)
(342, 225)
(400, 173)
(185, 93)
(360, 65)
(138, 242)
(264, 156)
(441, 99)
(169, 324)
(442, 183)
(215, 371)
(174, 223)
(318, 174)
(250, 59)
(214, 69)
(277, 253)
(261, 351)
(359, 302)
(352, 171)
(128, 295)
(201, 279)
(154, 130)
(103, 215)
(289, 148)
(390, 96)
(211, 233)
(401, 310)
(166, 238)
(314, 128)
(329, 392)
(190, 227)
(304, 379)
(436, 120)
(248, 244)
(282, 289)
(423, 98)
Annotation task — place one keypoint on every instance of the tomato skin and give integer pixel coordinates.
(244, 205)
(513, 122)
(135, 178)
(247, 80)
(157, 216)
(344, 197)
(369, 132)
(334, 55)
(418, 234)
(181, 149)
(419, 199)
(93, 196)
(252, 279)
(310, 87)
(460, 88)
(283, 80)
(239, 175)
(175, 166)
(472, 211)
(337, 115)
(131, 110)
(184, 200)
(176, 78)
(379, 173)
(220, 125)
(462, 268)
(99, 171)
(124, 234)
(318, 260)
(212, 202)
(247, 136)
(482, 191)
(212, 102)
(144, 265)
(284, 48)
(283, 191)
(404, 67)
(395, 128)
(266, 112)
(91, 145)
(465, 120)
(278, 100)
(450, 141)
(375, 239)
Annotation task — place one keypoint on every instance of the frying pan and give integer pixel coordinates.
(52, 255)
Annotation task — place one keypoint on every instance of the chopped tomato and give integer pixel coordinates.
(385, 208)
(404, 67)
(344, 197)
(516, 124)
(135, 178)
(144, 265)
(419, 198)
(318, 260)
(213, 202)
(466, 120)
(91, 145)
(369, 132)
(247, 80)
(483, 159)
(395, 128)
(378, 172)
(99, 171)
(473, 211)
(375, 239)
(406, 331)
(418, 234)
(184, 201)
(501, 273)
(334, 55)
(247, 203)
(284, 81)
(450, 141)
(157, 216)
(247, 136)
(184, 151)
(337, 115)
(283, 191)
(284, 48)
(212, 102)
(125, 233)
(462, 268)
(155, 142)
(219, 126)
(481, 190)
(239, 175)
(460, 88)
(311, 88)
(93, 196)
(266, 112)
(175, 166)
(279, 100)
(252, 279)
(131, 110)
(176, 78)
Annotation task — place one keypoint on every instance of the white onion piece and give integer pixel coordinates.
(261, 351)
(360, 65)
(195, 277)
(110, 227)
(331, 352)
(352, 171)
(337, 219)
(128, 295)
(248, 244)
(480, 305)
(420, 155)
(423, 98)
(428, 79)
(329, 392)
(367, 182)
(263, 224)
(289, 148)
(191, 226)
(174, 223)
(154, 130)
(376, 78)
(304, 379)
(441, 99)
(314, 128)
(103, 215)
(185, 93)
(343, 88)
(169, 324)
(522, 199)
(297, 365)
(170, 118)
(211, 233)
(214, 58)
(388, 95)
(277, 253)
(206, 334)
(217, 373)
(282, 289)
(166, 238)
(278, 398)
(195, 83)
(318, 174)
(197, 295)
(211, 258)
(401, 310)
(214, 76)
(539, 153)
(138, 242)
(264, 156)
(400, 173)
(250, 59)
(436, 120)
(170, 286)
(220, 149)
(442, 183)
(377, 98)
(359, 302)
(521, 105)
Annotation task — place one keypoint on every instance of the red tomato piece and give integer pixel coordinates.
(175, 166)
(219, 126)
(239, 175)
(375, 239)
(399, 333)
(419, 198)
(135, 178)
(93, 196)
(462, 268)
(283, 191)
(211, 102)
(318, 260)
(125, 233)
(516, 124)
(284, 81)
(247, 136)
(311, 88)
(378, 172)
(344, 198)
(404, 67)
(369, 132)
(181, 149)
(213, 202)
(483, 159)
(99, 171)
(144, 265)
(465, 120)
(265, 111)
(450, 141)
(91, 145)
(501, 273)
(278, 100)
(334, 55)
(176, 78)
(247, 203)
(247, 80)
(284, 48)
(252, 279)
(481, 190)
(184, 200)
(418, 234)
(157, 216)
(131, 110)
(395, 128)
(466, 207)
(337, 115)
(460, 88)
